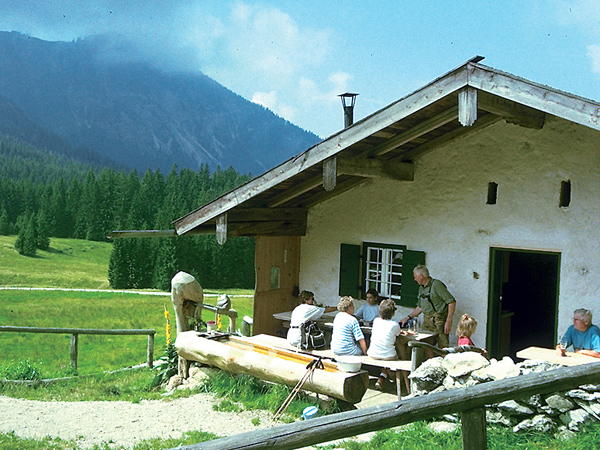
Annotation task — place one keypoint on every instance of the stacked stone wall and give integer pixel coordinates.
(561, 412)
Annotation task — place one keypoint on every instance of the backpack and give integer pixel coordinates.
(312, 336)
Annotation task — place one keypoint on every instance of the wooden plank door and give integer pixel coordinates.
(277, 265)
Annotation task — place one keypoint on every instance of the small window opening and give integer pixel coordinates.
(565, 194)
(492, 195)
(274, 277)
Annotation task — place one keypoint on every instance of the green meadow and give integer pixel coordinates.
(77, 264)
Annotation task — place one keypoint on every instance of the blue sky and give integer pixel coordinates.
(295, 57)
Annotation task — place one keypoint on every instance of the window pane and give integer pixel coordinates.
(384, 270)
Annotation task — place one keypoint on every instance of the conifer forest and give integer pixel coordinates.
(45, 195)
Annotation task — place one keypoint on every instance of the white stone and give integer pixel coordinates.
(575, 418)
(534, 400)
(537, 423)
(504, 368)
(443, 427)
(429, 375)
(460, 364)
(497, 417)
(583, 395)
(512, 408)
(559, 402)
(535, 365)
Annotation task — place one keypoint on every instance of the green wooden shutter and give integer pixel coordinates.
(349, 270)
(410, 289)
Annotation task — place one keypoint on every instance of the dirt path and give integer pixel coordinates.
(123, 423)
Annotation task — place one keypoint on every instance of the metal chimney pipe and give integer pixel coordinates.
(348, 100)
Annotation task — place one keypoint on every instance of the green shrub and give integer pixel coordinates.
(23, 370)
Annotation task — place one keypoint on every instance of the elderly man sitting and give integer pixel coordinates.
(582, 335)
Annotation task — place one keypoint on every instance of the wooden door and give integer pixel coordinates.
(277, 263)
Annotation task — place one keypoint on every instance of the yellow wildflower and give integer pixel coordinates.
(168, 328)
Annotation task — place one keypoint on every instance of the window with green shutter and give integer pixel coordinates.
(385, 267)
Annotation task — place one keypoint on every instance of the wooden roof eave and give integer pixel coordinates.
(534, 95)
(333, 145)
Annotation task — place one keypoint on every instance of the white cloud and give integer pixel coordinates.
(266, 99)
(269, 42)
(270, 100)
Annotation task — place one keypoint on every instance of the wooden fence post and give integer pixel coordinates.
(151, 350)
(73, 352)
(474, 435)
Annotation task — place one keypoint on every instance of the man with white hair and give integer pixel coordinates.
(436, 303)
(582, 335)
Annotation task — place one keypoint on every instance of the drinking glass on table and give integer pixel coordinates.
(562, 345)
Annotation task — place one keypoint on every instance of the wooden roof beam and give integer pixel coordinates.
(250, 229)
(141, 233)
(377, 168)
(511, 111)
(266, 214)
(339, 189)
(422, 128)
(421, 150)
(290, 194)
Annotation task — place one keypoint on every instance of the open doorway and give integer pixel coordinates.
(523, 300)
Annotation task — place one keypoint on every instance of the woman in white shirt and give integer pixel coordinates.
(383, 339)
(307, 310)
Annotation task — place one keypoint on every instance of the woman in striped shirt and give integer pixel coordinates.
(347, 337)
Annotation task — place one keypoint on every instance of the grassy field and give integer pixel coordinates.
(75, 309)
(68, 263)
(78, 264)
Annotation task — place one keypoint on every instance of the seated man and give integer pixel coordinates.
(582, 335)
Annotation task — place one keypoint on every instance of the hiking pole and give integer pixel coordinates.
(311, 366)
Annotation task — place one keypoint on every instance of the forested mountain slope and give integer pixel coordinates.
(134, 115)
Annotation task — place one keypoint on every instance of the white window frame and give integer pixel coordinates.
(381, 268)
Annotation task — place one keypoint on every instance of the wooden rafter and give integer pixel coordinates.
(377, 168)
(422, 128)
(511, 112)
(421, 150)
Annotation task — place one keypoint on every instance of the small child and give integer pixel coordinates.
(465, 329)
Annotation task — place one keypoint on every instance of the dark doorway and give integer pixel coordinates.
(522, 310)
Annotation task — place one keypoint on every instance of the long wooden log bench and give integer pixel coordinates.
(401, 368)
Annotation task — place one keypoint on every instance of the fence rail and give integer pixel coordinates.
(469, 401)
(75, 332)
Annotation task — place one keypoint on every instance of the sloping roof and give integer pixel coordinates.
(385, 144)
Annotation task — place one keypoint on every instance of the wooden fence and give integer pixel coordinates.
(470, 402)
(75, 332)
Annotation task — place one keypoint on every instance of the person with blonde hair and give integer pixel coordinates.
(582, 335)
(465, 329)
(347, 338)
(383, 339)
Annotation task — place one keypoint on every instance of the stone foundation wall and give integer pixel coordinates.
(559, 412)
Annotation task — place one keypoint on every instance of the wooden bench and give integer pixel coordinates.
(400, 367)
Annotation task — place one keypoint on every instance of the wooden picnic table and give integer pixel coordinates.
(549, 355)
(404, 353)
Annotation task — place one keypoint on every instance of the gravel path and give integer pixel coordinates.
(122, 423)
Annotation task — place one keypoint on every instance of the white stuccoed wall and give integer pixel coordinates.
(444, 213)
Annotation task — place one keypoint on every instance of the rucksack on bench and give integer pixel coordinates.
(312, 336)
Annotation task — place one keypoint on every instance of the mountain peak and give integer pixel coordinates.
(136, 115)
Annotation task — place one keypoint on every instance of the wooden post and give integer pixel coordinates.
(150, 350)
(474, 435)
(73, 352)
